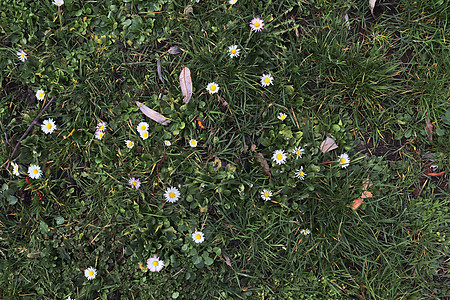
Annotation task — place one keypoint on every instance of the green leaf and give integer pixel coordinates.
(44, 227)
(208, 260)
(196, 259)
(59, 220)
(11, 199)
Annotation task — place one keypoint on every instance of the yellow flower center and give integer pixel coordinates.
(194, 143)
(41, 95)
(102, 127)
(266, 194)
(213, 88)
(155, 263)
(279, 156)
(282, 117)
(130, 144)
(301, 173)
(256, 24)
(298, 152)
(143, 127)
(171, 194)
(91, 273)
(35, 171)
(198, 236)
(145, 134)
(22, 54)
(100, 134)
(233, 51)
(342, 160)
(266, 80)
(48, 126)
(58, 3)
(134, 182)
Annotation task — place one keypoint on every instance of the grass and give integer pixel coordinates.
(371, 86)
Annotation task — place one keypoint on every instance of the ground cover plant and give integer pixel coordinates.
(224, 150)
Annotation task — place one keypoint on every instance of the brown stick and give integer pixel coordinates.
(31, 125)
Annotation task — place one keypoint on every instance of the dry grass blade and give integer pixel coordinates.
(154, 115)
(186, 84)
(327, 145)
(264, 164)
(223, 104)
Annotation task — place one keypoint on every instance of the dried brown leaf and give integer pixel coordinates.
(154, 115)
(264, 164)
(328, 144)
(174, 50)
(365, 194)
(34, 254)
(227, 259)
(429, 129)
(223, 103)
(186, 84)
(372, 5)
(158, 67)
(188, 10)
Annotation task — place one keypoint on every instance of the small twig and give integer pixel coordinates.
(31, 125)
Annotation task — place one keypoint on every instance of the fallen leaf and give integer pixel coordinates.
(365, 194)
(328, 144)
(158, 67)
(372, 5)
(429, 129)
(154, 115)
(264, 164)
(188, 10)
(432, 174)
(174, 50)
(223, 103)
(186, 84)
(34, 254)
(227, 259)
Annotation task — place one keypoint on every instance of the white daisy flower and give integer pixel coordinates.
(101, 126)
(233, 2)
(15, 169)
(130, 144)
(22, 55)
(99, 134)
(343, 160)
(298, 151)
(144, 134)
(234, 51)
(58, 2)
(154, 264)
(48, 126)
(68, 298)
(305, 231)
(266, 194)
(167, 143)
(172, 194)
(40, 94)
(279, 157)
(212, 87)
(198, 237)
(143, 126)
(257, 24)
(266, 80)
(34, 171)
(300, 174)
(282, 116)
(90, 273)
(193, 143)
